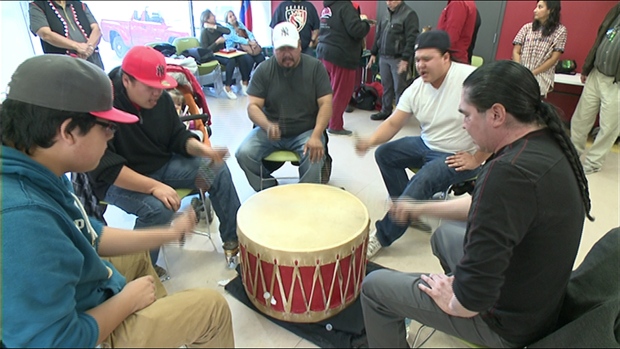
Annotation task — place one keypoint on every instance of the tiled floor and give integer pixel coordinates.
(196, 265)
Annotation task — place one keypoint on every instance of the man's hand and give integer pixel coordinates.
(371, 61)
(583, 78)
(462, 161)
(404, 211)
(167, 195)
(273, 132)
(315, 147)
(402, 67)
(361, 146)
(141, 292)
(218, 155)
(183, 224)
(439, 289)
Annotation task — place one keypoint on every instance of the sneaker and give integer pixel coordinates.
(380, 116)
(230, 94)
(588, 169)
(231, 253)
(373, 245)
(244, 90)
(162, 273)
(349, 109)
(342, 132)
(419, 225)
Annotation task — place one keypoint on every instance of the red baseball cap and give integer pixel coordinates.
(148, 66)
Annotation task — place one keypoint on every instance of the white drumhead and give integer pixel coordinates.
(302, 217)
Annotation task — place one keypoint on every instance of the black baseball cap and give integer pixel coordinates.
(66, 83)
(438, 39)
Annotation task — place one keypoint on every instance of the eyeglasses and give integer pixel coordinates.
(109, 127)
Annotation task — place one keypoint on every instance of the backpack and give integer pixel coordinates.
(368, 96)
(566, 66)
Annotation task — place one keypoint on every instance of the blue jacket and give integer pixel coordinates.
(232, 39)
(51, 272)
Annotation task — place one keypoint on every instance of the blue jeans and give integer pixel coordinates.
(433, 176)
(180, 172)
(257, 146)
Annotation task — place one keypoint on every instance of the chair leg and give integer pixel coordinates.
(208, 223)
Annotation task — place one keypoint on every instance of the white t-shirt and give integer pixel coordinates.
(437, 110)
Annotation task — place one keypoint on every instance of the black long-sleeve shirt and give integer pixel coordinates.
(523, 233)
(209, 36)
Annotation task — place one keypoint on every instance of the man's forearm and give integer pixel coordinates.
(117, 242)
(258, 117)
(95, 36)
(55, 39)
(322, 118)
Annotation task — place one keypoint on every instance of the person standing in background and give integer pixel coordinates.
(601, 73)
(394, 39)
(341, 37)
(458, 19)
(539, 45)
(66, 27)
(303, 15)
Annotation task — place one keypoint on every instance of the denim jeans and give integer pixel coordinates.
(180, 172)
(257, 146)
(433, 176)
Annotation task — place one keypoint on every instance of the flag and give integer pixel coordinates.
(245, 14)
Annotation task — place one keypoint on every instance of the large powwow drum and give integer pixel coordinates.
(303, 250)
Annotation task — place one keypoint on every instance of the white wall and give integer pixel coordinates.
(15, 39)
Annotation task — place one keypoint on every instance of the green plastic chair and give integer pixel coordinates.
(279, 156)
(477, 61)
(186, 43)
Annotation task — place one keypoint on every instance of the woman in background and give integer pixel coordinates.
(240, 35)
(212, 38)
(539, 45)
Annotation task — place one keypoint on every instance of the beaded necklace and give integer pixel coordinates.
(64, 23)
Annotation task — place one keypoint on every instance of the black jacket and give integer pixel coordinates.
(396, 33)
(341, 35)
(144, 146)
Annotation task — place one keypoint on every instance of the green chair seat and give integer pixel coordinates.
(282, 156)
(207, 68)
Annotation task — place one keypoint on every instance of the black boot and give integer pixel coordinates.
(380, 116)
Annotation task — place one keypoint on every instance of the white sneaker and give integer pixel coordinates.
(230, 94)
(373, 245)
(244, 89)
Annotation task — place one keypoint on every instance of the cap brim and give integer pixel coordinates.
(167, 82)
(290, 43)
(116, 115)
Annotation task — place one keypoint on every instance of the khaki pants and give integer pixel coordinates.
(196, 318)
(600, 95)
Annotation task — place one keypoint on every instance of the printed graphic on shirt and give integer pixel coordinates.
(297, 15)
(326, 13)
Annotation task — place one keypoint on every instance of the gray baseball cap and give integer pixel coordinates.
(66, 83)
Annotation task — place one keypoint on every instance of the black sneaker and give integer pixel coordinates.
(342, 132)
(419, 225)
(349, 109)
(380, 116)
(162, 273)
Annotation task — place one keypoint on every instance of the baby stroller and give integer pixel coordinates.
(197, 119)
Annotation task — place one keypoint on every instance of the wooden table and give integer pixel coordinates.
(232, 54)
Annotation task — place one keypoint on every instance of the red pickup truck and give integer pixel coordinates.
(142, 28)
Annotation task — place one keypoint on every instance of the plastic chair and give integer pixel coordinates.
(209, 73)
(477, 61)
(279, 156)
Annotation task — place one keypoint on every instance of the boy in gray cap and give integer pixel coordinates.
(58, 118)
